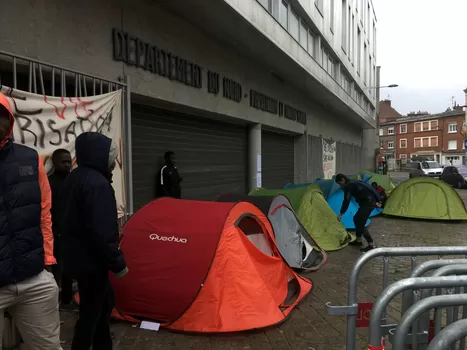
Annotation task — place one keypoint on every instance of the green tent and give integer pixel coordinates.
(425, 198)
(384, 181)
(315, 214)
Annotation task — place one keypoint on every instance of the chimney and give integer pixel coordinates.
(386, 102)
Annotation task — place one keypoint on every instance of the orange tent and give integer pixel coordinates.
(205, 267)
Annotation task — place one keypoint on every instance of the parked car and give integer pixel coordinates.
(455, 176)
(425, 168)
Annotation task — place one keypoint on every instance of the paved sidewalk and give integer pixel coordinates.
(308, 327)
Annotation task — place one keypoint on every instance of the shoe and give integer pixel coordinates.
(367, 249)
(356, 243)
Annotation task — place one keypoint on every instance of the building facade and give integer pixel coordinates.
(387, 134)
(435, 137)
(242, 91)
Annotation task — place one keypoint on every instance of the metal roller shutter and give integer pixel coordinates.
(211, 156)
(277, 159)
(315, 153)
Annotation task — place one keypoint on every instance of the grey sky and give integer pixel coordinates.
(422, 46)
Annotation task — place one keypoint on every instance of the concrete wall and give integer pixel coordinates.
(78, 35)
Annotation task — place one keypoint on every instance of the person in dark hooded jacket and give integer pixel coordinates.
(91, 238)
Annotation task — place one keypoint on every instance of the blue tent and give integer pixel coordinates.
(329, 187)
(335, 202)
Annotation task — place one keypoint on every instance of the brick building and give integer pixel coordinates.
(387, 136)
(436, 137)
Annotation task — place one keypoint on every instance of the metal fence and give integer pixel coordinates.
(353, 308)
(43, 78)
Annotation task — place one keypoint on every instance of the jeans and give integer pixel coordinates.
(96, 301)
(360, 218)
(33, 304)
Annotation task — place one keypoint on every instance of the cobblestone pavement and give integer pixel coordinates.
(308, 327)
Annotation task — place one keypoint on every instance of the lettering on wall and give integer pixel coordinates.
(141, 54)
(138, 53)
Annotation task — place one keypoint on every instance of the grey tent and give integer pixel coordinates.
(295, 244)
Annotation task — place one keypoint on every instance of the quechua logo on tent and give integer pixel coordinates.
(156, 237)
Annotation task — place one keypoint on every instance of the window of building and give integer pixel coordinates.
(319, 5)
(381, 132)
(403, 129)
(452, 145)
(294, 27)
(311, 43)
(452, 128)
(391, 130)
(434, 125)
(284, 14)
(351, 37)
(368, 18)
(426, 142)
(331, 15)
(403, 143)
(374, 38)
(403, 156)
(267, 4)
(303, 35)
(345, 31)
(370, 74)
(359, 51)
(418, 127)
(426, 126)
(390, 144)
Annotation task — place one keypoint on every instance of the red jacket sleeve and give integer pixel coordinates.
(46, 218)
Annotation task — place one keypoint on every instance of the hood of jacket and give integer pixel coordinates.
(93, 151)
(4, 104)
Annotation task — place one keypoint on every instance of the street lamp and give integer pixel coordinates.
(382, 87)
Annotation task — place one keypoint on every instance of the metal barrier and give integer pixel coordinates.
(398, 287)
(449, 336)
(351, 309)
(419, 308)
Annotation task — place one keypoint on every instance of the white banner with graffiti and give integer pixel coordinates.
(329, 159)
(47, 123)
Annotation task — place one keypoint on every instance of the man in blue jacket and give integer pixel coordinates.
(367, 198)
(91, 238)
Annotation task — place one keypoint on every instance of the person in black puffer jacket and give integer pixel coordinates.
(27, 289)
(91, 238)
(367, 198)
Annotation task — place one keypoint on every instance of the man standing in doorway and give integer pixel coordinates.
(61, 159)
(27, 290)
(367, 198)
(168, 184)
(91, 238)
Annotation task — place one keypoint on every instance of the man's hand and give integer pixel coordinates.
(379, 204)
(339, 218)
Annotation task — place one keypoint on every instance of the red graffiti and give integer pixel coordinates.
(60, 114)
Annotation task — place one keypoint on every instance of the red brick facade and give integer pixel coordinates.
(386, 112)
(434, 136)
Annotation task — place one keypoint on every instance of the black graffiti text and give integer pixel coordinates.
(46, 132)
